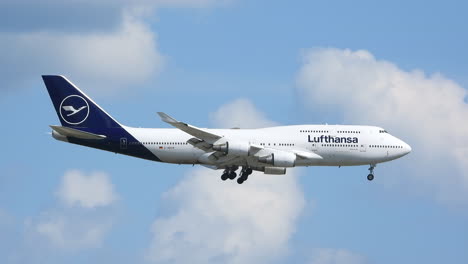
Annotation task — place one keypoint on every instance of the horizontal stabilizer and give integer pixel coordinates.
(75, 133)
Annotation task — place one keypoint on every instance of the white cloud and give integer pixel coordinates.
(69, 230)
(223, 222)
(82, 15)
(240, 113)
(215, 221)
(88, 191)
(109, 60)
(84, 222)
(107, 45)
(336, 256)
(428, 112)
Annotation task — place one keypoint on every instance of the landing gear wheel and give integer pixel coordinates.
(244, 175)
(232, 175)
(225, 176)
(229, 173)
(370, 177)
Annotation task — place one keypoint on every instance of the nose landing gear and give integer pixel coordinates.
(370, 177)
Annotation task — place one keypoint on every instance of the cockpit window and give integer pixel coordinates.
(383, 131)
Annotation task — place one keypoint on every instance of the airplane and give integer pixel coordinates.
(271, 150)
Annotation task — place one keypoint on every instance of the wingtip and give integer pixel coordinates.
(162, 115)
(166, 118)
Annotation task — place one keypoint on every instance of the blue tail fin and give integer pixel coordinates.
(74, 108)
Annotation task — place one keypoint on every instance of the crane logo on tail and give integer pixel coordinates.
(74, 109)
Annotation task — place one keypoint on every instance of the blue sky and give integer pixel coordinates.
(400, 65)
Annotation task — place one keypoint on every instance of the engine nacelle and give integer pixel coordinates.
(274, 170)
(279, 159)
(234, 148)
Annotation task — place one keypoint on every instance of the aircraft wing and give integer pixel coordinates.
(189, 129)
(204, 140)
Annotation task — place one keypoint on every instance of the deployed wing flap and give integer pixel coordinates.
(71, 132)
(189, 129)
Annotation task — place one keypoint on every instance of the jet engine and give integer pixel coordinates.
(234, 148)
(274, 170)
(279, 159)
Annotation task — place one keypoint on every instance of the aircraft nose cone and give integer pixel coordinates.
(406, 148)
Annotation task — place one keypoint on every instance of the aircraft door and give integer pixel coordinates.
(313, 146)
(363, 148)
(123, 143)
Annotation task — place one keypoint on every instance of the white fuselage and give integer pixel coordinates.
(338, 145)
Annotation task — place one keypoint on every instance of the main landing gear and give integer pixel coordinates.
(230, 173)
(370, 177)
(244, 175)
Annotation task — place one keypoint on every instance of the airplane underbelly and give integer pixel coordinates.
(179, 156)
(345, 158)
